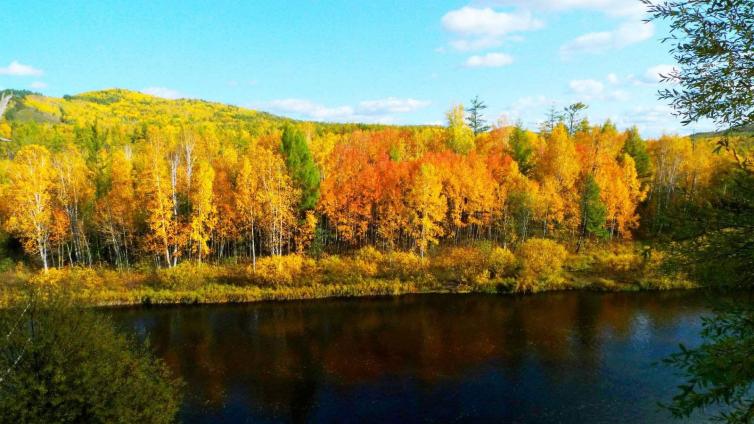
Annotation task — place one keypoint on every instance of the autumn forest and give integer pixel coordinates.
(123, 180)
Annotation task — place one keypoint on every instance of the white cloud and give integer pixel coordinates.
(530, 108)
(618, 8)
(476, 44)
(20, 70)
(470, 21)
(372, 111)
(600, 42)
(311, 109)
(653, 74)
(589, 89)
(489, 60)
(38, 84)
(613, 79)
(484, 28)
(392, 105)
(165, 93)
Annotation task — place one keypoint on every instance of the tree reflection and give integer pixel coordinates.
(282, 359)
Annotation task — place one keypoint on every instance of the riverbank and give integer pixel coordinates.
(539, 265)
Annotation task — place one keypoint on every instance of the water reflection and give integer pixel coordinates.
(565, 357)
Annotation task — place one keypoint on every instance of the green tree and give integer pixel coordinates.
(593, 211)
(521, 149)
(552, 120)
(711, 42)
(475, 117)
(637, 149)
(572, 114)
(301, 166)
(65, 364)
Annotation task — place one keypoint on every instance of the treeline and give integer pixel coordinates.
(167, 184)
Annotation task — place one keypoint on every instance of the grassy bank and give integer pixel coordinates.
(538, 265)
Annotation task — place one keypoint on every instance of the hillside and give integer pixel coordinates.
(131, 109)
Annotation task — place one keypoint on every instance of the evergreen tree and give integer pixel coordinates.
(637, 149)
(571, 115)
(553, 118)
(475, 119)
(301, 166)
(593, 211)
(521, 149)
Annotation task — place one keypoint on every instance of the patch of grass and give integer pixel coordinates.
(538, 265)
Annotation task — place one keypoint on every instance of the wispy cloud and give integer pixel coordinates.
(626, 34)
(485, 28)
(590, 89)
(165, 93)
(18, 69)
(38, 84)
(489, 60)
(617, 8)
(528, 110)
(371, 111)
(391, 105)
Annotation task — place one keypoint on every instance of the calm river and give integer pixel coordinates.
(564, 357)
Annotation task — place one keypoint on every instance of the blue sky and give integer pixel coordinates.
(403, 62)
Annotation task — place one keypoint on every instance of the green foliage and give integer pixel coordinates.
(637, 149)
(721, 369)
(712, 44)
(571, 115)
(593, 211)
(301, 166)
(64, 364)
(521, 150)
(475, 117)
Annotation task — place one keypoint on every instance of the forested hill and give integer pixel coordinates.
(124, 109)
(119, 177)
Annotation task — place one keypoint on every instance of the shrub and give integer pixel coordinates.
(540, 264)
(185, 275)
(619, 262)
(463, 265)
(282, 270)
(402, 265)
(74, 277)
(369, 254)
(338, 269)
(501, 263)
(76, 367)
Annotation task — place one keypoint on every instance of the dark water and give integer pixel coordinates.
(563, 357)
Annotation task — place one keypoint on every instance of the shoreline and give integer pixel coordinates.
(364, 273)
(223, 293)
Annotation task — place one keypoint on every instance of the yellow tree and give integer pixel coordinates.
(278, 200)
(73, 191)
(248, 200)
(557, 170)
(460, 136)
(427, 207)
(115, 210)
(203, 212)
(156, 190)
(29, 196)
(227, 228)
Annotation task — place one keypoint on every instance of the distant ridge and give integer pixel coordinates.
(117, 107)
